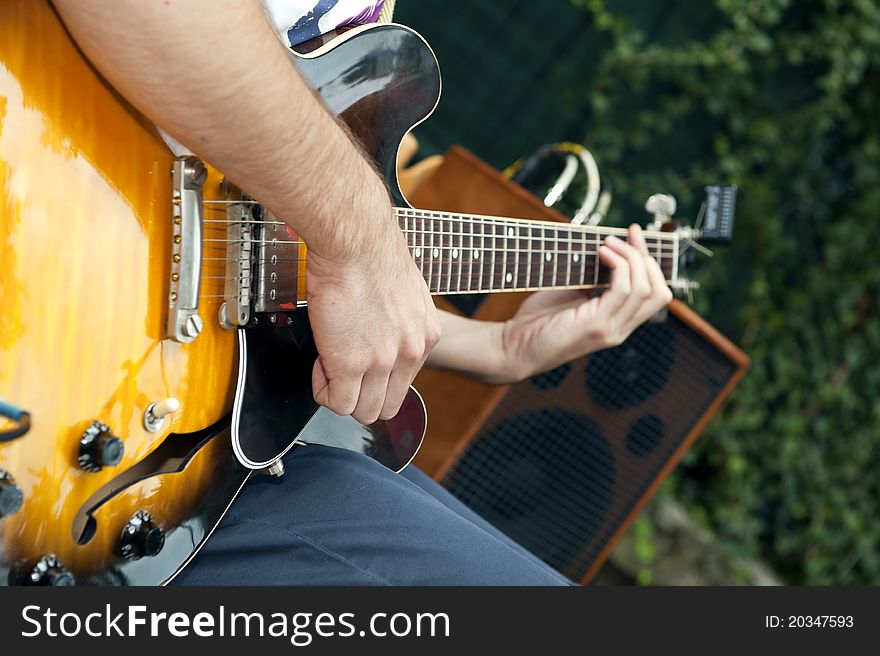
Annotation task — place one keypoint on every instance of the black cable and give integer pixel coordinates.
(22, 418)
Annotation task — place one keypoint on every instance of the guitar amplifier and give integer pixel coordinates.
(564, 462)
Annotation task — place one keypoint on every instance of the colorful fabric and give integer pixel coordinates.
(297, 21)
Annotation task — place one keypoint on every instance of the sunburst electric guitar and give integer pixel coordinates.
(155, 347)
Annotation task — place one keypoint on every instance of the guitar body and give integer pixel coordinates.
(86, 248)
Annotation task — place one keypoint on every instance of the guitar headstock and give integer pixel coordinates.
(714, 225)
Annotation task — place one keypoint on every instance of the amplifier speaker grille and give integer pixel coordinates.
(565, 458)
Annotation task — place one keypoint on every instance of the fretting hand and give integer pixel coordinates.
(553, 327)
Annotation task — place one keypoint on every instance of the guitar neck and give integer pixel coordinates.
(469, 254)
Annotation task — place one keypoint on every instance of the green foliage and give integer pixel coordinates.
(644, 550)
(781, 98)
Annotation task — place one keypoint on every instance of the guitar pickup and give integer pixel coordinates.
(188, 177)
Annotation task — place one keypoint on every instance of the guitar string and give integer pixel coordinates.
(497, 267)
(426, 255)
(559, 258)
(562, 259)
(568, 235)
(561, 264)
(464, 218)
(441, 292)
(474, 220)
(445, 284)
(426, 230)
(290, 242)
(448, 292)
(658, 245)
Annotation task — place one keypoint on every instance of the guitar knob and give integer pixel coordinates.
(11, 496)
(99, 448)
(141, 537)
(157, 413)
(49, 571)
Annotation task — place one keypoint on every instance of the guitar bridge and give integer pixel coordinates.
(236, 311)
(184, 322)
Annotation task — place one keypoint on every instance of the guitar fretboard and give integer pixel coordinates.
(459, 254)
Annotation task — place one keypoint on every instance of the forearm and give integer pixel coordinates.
(474, 348)
(214, 75)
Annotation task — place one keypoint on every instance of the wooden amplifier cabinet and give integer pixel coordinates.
(564, 462)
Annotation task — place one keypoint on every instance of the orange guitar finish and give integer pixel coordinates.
(85, 220)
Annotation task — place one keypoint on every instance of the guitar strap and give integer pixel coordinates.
(387, 12)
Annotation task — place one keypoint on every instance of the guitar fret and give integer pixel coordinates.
(407, 233)
(568, 262)
(451, 261)
(505, 274)
(529, 256)
(540, 256)
(420, 237)
(483, 258)
(474, 270)
(517, 251)
(475, 283)
(492, 270)
(470, 255)
(555, 256)
(550, 256)
(433, 261)
(578, 257)
(475, 261)
(443, 257)
(596, 262)
(562, 247)
(461, 254)
(604, 274)
(426, 251)
(438, 254)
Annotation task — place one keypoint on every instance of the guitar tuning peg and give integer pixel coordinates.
(700, 248)
(684, 287)
(661, 207)
(689, 238)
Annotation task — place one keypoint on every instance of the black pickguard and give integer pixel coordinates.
(274, 405)
(273, 402)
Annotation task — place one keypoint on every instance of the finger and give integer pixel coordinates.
(637, 239)
(338, 393)
(618, 291)
(655, 276)
(660, 296)
(658, 282)
(398, 386)
(372, 396)
(320, 382)
(640, 286)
